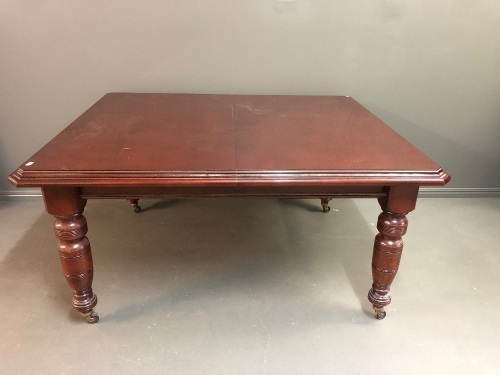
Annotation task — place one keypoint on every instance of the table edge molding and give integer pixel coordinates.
(27, 178)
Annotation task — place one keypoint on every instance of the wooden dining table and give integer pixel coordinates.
(148, 145)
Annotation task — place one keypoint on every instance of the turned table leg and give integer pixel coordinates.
(70, 228)
(386, 256)
(76, 262)
(388, 246)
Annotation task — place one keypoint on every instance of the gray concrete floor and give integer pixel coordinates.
(249, 286)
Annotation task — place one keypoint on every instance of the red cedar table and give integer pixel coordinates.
(136, 146)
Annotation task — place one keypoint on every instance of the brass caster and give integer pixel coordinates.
(380, 313)
(135, 205)
(91, 316)
(324, 204)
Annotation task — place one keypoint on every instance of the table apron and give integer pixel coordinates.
(92, 192)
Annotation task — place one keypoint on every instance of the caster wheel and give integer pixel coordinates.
(380, 314)
(137, 209)
(326, 209)
(91, 317)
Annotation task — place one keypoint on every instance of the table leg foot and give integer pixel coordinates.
(325, 205)
(387, 251)
(135, 205)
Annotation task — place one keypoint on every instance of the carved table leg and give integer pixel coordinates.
(324, 204)
(70, 228)
(135, 205)
(386, 256)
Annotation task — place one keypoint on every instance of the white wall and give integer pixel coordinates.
(430, 69)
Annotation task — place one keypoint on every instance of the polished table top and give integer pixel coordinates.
(130, 139)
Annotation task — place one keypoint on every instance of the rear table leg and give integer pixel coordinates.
(324, 204)
(135, 205)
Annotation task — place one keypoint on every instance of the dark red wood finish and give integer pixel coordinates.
(136, 146)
